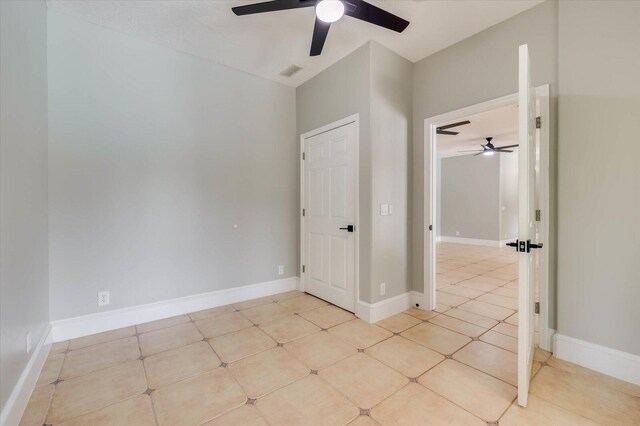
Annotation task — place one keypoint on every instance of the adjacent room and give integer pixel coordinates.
(319, 212)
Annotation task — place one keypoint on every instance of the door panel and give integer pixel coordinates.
(526, 225)
(329, 197)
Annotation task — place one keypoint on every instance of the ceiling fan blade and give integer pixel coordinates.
(506, 146)
(446, 132)
(480, 153)
(448, 126)
(473, 150)
(360, 9)
(502, 150)
(320, 31)
(271, 6)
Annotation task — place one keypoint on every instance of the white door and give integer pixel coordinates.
(328, 246)
(526, 225)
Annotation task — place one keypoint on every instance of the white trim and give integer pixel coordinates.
(474, 241)
(355, 118)
(19, 398)
(621, 365)
(374, 312)
(86, 325)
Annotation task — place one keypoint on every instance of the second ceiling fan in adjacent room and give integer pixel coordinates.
(327, 12)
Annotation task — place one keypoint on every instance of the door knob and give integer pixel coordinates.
(349, 228)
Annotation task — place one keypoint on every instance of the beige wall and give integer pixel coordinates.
(599, 173)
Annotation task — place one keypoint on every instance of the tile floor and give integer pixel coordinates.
(292, 359)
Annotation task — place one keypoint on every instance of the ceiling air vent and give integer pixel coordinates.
(290, 70)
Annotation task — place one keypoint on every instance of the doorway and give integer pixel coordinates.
(329, 203)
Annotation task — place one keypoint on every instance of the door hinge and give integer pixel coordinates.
(303, 268)
(303, 156)
(538, 215)
(537, 307)
(304, 212)
(538, 122)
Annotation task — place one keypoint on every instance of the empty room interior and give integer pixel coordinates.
(319, 212)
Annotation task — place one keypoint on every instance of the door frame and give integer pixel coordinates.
(430, 207)
(355, 118)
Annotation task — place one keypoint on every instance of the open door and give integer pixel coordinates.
(526, 225)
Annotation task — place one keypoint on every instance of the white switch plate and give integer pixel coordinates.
(384, 209)
(383, 288)
(281, 270)
(103, 298)
(390, 209)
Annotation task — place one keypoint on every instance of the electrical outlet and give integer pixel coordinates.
(457, 233)
(103, 298)
(384, 209)
(281, 270)
(27, 342)
(383, 289)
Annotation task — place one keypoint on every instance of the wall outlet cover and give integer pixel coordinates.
(103, 298)
(457, 233)
(281, 270)
(383, 289)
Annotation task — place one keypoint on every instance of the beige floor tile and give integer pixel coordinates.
(476, 285)
(223, 324)
(90, 392)
(36, 411)
(177, 364)
(513, 319)
(404, 356)
(601, 379)
(263, 314)
(328, 316)
(508, 292)
(540, 412)
(501, 340)
(247, 415)
(58, 348)
(475, 319)
(320, 349)
(508, 329)
(51, 369)
(498, 300)
(198, 399)
(453, 277)
(421, 313)
(399, 323)
(360, 334)
(234, 346)
(364, 421)
(476, 392)
(501, 274)
(417, 405)
(97, 357)
(213, 312)
(168, 338)
(287, 295)
(469, 293)
(442, 308)
(107, 336)
(586, 397)
(306, 401)
(302, 303)
(267, 371)
(543, 356)
(492, 360)
(364, 380)
(134, 411)
(460, 326)
(253, 302)
(163, 323)
(450, 299)
(289, 328)
(437, 338)
(486, 309)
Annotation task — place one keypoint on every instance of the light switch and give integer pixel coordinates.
(390, 209)
(384, 209)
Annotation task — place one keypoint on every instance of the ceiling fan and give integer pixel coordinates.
(490, 149)
(442, 130)
(328, 11)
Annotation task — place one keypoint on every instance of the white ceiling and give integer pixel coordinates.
(266, 44)
(500, 123)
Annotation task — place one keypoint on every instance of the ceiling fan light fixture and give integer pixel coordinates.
(488, 152)
(329, 10)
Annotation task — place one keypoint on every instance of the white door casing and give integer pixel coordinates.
(526, 224)
(329, 194)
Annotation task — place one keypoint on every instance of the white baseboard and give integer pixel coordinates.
(474, 241)
(374, 312)
(104, 321)
(19, 398)
(621, 365)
